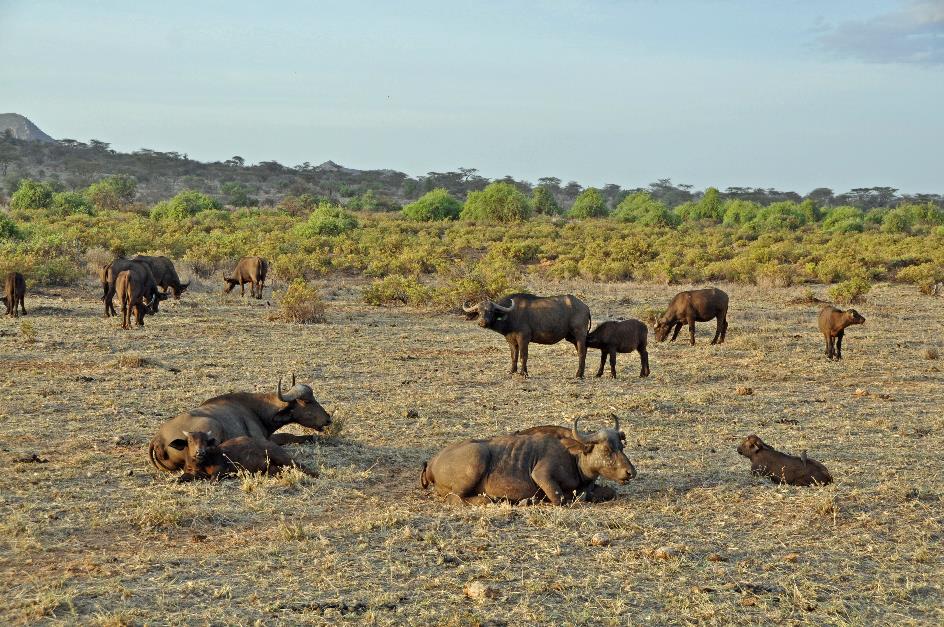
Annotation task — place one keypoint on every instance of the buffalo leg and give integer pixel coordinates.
(543, 476)
(724, 327)
(678, 327)
(830, 347)
(124, 316)
(513, 345)
(524, 357)
(582, 353)
(691, 329)
(23, 304)
(613, 363)
(839, 345)
(643, 363)
(718, 327)
(602, 362)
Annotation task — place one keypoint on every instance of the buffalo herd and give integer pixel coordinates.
(238, 431)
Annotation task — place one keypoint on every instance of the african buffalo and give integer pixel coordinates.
(250, 270)
(165, 275)
(235, 414)
(208, 458)
(780, 467)
(832, 324)
(694, 306)
(620, 336)
(527, 467)
(133, 299)
(142, 276)
(14, 293)
(525, 318)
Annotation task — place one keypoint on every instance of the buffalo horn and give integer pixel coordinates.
(503, 308)
(281, 398)
(616, 424)
(468, 309)
(575, 433)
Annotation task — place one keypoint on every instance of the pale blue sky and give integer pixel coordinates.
(793, 94)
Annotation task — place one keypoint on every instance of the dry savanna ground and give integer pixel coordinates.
(95, 535)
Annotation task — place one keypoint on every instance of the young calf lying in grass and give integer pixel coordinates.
(780, 467)
(209, 459)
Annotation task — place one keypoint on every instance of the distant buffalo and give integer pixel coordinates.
(780, 467)
(694, 306)
(165, 275)
(832, 324)
(133, 298)
(236, 414)
(620, 336)
(143, 278)
(250, 270)
(525, 318)
(14, 293)
(530, 467)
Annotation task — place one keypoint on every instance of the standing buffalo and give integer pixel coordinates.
(133, 299)
(524, 467)
(142, 277)
(832, 324)
(165, 275)
(525, 318)
(620, 336)
(14, 293)
(236, 414)
(695, 306)
(250, 270)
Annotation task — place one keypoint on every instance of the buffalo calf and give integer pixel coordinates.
(14, 292)
(207, 458)
(251, 270)
(832, 324)
(133, 298)
(623, 336)
(694, 306)
(780, 467)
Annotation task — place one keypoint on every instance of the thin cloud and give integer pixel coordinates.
(912, 35)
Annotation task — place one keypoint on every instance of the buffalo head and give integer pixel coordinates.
(199, 444)
(156, 298)
(601, 454)
(751, 446)
(853, 317)
(180, 289)
(301, 407)
(662, 327)
(488, 312)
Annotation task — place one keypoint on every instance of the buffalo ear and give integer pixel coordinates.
(178, 444)
(576, 448)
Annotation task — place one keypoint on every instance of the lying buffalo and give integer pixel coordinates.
(165, 274)
(620, 336)
(527, 467)
(133, 299)
(141, 275)
(235, 414)
(780, 467)
(14, 293)
(691, 307)
(208, 458)
(525, 318)
(250, 270)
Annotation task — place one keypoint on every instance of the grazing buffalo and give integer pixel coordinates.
(142, 276)
(694, 306)
(165, 274)
(250, 270)
(780, 467)
(832, 324)
(235, 414)
(622, 336)
(207, 458)
(525, 318)
(14, 293)
(133, 299)
(534, 467)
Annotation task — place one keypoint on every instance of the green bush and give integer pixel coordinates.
(925, 276)
(850, 292)
(397, 288)
(112, 193)
(543, 202)
(437, 204)
(843, 220)
(71, 202)
(8, 228)
(327, 220)
(499, 202)
(301, 303)
(31, 195)
(643, 209)
(708, 208)
(590, 203)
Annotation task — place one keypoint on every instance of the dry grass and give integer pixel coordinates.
(96, 536)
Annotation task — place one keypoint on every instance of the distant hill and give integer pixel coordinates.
(22, 128)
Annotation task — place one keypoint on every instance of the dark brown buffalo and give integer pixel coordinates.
(165, 274)
(832, 324)
(250, 270)
(142, 276)
(207, 458)
(622, 336)
(231, 415)
(522, 468)
(132, 298)
(694, 306)
(525, 318)
(780, 467)
(14, 293)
